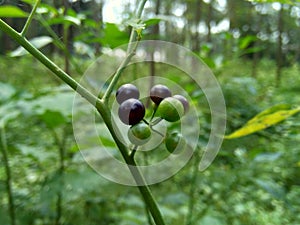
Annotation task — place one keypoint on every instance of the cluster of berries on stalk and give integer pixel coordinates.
(166, 107)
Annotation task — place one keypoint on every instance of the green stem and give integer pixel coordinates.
(29, 19)
(61, 144)
(193, 190)
(116, 77)
(4, 151)
(102, 109)
(132, 45)
(138, 177)
(48, 63)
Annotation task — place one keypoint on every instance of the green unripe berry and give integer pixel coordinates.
(184, 102)
(175, 142)
(170, 109)
(139, 134)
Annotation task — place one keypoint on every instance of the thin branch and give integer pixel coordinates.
(29, 19)
(102, 109)
(132, 45)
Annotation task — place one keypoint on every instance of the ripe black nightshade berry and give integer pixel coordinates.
(159, 92)
(131, 111)
(127, 91)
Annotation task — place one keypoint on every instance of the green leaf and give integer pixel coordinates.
(152, 21)
(246, 41)
(37, 42)
(264, 120)
(38, 153)
(53, 118)
(67, 20)
(272, 188)
(9, 11)
(30, 2)
(113, 36)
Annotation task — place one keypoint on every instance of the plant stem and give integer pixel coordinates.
(4, 151)
(132, 45)
(193, 188)
(138, 177)
(61, 144)
(29, 19)
(102, 108)
(116, 77)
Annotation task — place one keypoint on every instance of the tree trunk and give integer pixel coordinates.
(279, 55)
(196, 37)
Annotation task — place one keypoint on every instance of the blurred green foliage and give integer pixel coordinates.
(254, 180)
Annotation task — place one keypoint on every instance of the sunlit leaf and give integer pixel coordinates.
(31, 2)
(264, 120)
(246, 41)
(9, 11)
(68, 20)
(38, 42)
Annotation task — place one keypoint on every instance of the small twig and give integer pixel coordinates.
(157, 121)
(156, 131)
(133, 152)
(29, 19)
(132, 45)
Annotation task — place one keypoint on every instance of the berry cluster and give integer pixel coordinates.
(132, 112)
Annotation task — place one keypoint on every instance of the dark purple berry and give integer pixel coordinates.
(131, 111)
(127, 91)
(184, 102)
(159, 92)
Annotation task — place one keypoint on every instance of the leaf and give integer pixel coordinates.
(58, 102)
(6, 92)
(67, 20)
(152, 21)
(37, 153)
(9, 11)
(30, 2)
(113, 36)
(264, 120)
(271, 187)
(53, 118)
(37, 42)
(267, 157)
(246, 41)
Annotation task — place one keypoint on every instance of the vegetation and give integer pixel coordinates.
(252, 48)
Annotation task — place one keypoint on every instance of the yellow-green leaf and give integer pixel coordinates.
(264, 120)
(9, 11)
